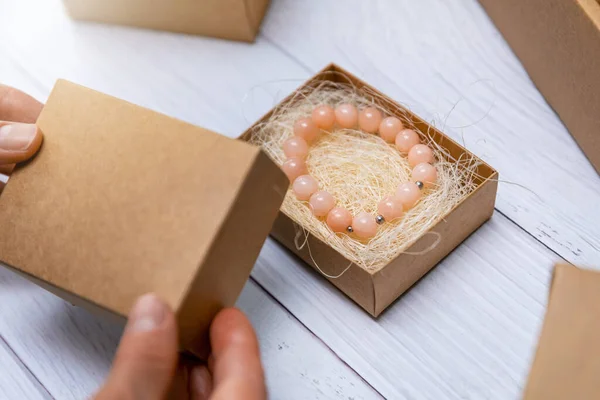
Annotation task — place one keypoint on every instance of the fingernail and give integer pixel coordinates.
(147, 314)
(17, 137)
(200, 382)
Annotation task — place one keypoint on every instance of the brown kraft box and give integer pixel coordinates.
(122, 201)
(226, 19)
(558, 42)
(567, 361)
(376, 290)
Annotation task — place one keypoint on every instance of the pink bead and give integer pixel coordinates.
(306, 129)
(321, 203)
(390, 208)
(389, 129)
(346, 116)
(294, 167)
(369, 119)
(364, 225)
(408, 194)
(425, 173)
(295, 147)
(406, 139)
(339, 219)
(420, 153)
(304, 186)
(324, 117)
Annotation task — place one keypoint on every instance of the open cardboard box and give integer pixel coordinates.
(567, 362)
(558, 42)
(226, 19)
(121, 201)
(376, 290)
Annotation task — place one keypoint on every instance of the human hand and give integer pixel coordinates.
(20, 139)
(146, 363)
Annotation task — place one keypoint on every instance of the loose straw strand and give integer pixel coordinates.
(299, 232)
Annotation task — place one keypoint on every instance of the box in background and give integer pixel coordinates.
(376, 290)
(121, 201)
(226, 19)
(567, 361)
(558, 42)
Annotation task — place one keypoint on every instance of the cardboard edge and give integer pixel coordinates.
(255, 12)
(220, 260)
(560, 269)
(592, 10)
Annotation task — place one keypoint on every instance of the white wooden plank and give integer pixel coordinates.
(298, 366)
(66, 348)
(466, 331)
(15, 381)
(447, 62)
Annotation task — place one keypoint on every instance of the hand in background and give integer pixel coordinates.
(145, 365)
(19, 137)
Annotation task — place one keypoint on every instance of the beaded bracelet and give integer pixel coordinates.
(370, 120)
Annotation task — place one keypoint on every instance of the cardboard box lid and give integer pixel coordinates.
(567, 362)
(122, 201)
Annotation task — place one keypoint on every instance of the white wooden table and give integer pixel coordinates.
(466, 331)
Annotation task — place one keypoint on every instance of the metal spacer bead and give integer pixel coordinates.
(349, 229)
(379, 219)
(419, 184)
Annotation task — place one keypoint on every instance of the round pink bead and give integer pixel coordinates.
(346, 116)
(408, 194)
(306, 129)
(369, 119)
(364, 225)
(304, 186)
(295, 147)
(389, 129)
(390, 208)
(294, 167)
(420, 153)
(324, 117)
(339, 219)
(321, 203)
(425, 173)
(406, 139)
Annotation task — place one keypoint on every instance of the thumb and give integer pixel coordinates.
(146, 359)
(18, 142)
